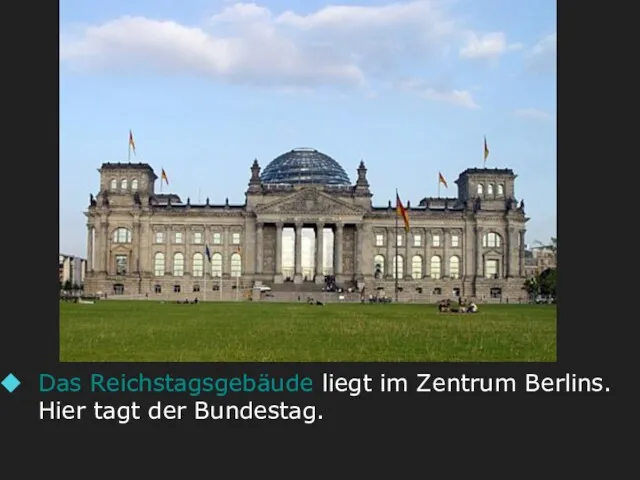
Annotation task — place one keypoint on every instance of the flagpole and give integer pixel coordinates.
(129, 154)
(396, 248)
(438, 186)
(204, 299)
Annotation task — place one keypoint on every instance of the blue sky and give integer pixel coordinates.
(409, 87)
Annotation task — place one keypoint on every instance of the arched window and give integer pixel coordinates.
(435, 270)
(236, 265)
(500, 189)
(122, 235)
(454, 267)
(397, 260)
(178, 264)
(491, 239)
(480, 189)
(378, 266)
(216, 265)
(158, 265)
(124, 184)
(490, 189)
(197, 269)
(416, 266)
(134, 184)
(114, 184)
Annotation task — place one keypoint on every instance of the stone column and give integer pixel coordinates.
(278, 276)
(259, 247)
(388, 267)
(226, 254)
(407, 264)
(104, 230)
(319, 252)
(511, 253)
(445, 253)
(337, 249)
(427, 253)
(168, 257)
(89, 247)
(478, 256)
(297, 277)
(135, 252)
(521, 254)
(357, 250)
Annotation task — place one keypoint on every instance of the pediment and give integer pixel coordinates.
(120, 248)
(309, 201)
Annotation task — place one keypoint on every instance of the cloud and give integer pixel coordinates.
(533, 114)
(245, 43)
(542, 57)
(459, 98)
(487, 46)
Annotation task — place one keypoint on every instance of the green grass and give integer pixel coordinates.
(145, 331)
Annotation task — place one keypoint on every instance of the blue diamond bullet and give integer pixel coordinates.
(10, 382)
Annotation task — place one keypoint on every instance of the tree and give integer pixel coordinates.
(547, 280)
(532, 287)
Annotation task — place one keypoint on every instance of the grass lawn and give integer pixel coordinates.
(147, 331)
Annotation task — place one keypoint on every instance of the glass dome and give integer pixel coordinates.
(305, 165)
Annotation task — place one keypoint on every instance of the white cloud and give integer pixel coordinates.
(542, 57)
(459, 98)
(487, 46)
(533, 114)
(246, 43)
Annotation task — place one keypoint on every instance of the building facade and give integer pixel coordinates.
(304, 205)
(71, 269)
(539, 259)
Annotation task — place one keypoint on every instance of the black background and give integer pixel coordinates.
(597, 206)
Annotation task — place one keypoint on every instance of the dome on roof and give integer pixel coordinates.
(305, 165)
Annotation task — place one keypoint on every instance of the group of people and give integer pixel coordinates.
(446, 306)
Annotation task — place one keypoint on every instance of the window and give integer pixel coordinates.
(158, 265)
(217, 238)
(500, 189)
(197, 237)
(134, 184)
(178, 264)
(177, 237)
(417, 240)
(236, 264)
(124, 184)
(397, 265)
(379, 240)
(399, 240)
(496, 292)
(480, 189)
(235, 238)
(118, 289)
(491, 269)
(157, 288)
(216, 265)
(435, 240)
(455, 241)
(416, 267)
(437, 291)
(158, 237)
(196, 288)
(176, 289)
(378, 266)
(198, 265)
(491, 239)
(114, 184)
(121, 264)
(435, 270)
(490, 189)
(454, 267)
(122, 235)
(456, 292)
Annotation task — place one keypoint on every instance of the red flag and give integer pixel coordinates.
(400, 210)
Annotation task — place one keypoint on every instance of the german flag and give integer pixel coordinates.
(402, 212)
(442, 180)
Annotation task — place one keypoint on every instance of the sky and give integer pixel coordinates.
(409, 87)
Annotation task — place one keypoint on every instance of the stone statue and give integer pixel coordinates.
(522, 205)
(92, 200)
